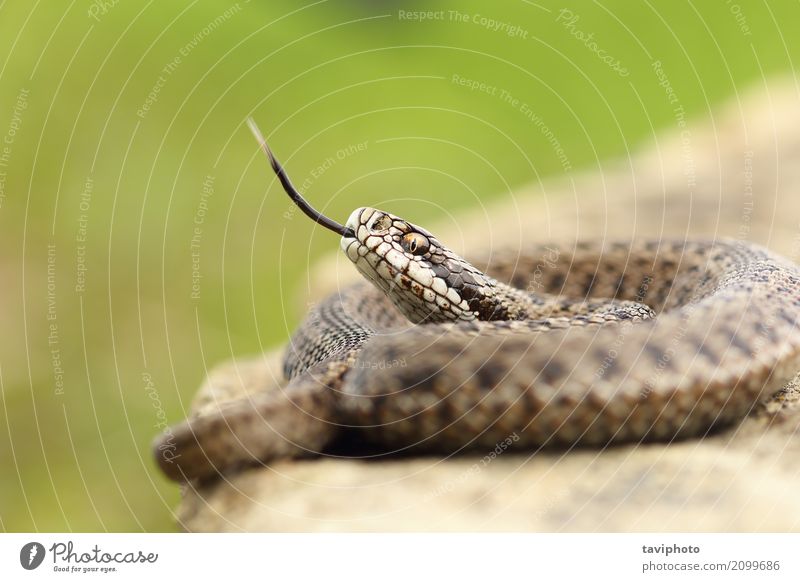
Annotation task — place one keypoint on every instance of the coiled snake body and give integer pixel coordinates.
(594, 343)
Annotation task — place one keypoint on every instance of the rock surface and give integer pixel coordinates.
(737, 176)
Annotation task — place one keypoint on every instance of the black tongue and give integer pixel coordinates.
(289, 188)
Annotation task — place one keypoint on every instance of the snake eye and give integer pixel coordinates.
(415, 243)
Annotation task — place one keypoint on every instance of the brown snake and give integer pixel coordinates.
(595, 343)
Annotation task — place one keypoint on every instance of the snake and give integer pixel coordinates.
(588, 344)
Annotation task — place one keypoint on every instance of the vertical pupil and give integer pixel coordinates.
(413, 245)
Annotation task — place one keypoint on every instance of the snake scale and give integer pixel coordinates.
(594, 343)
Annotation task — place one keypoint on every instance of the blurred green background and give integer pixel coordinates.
(128, 177)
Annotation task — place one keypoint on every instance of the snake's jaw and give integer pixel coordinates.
(426, 281)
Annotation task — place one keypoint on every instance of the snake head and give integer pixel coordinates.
(426, 281)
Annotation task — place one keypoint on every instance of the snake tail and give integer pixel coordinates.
(297, 421)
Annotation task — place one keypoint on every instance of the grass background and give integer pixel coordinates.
(319, 77)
